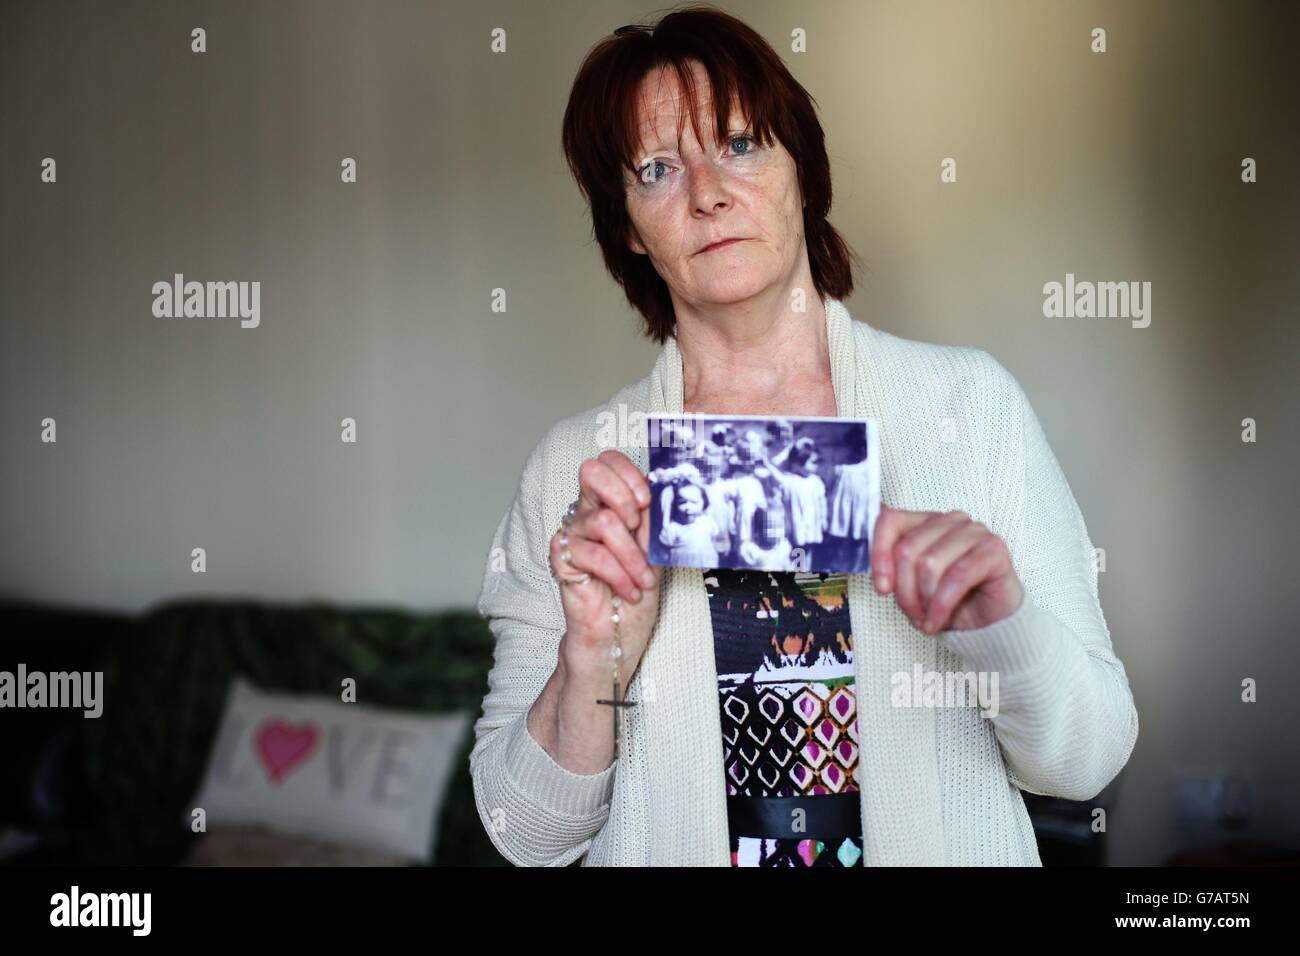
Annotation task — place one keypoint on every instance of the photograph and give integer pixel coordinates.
(770, 494)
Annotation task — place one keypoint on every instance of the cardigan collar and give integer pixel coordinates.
(679, 722)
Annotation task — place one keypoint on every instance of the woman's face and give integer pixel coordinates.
(688, 195)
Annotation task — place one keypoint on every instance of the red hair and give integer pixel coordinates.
(600, 133)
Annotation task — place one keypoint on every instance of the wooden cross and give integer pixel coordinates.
(615, 704)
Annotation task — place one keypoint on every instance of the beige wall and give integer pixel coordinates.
(174, 434)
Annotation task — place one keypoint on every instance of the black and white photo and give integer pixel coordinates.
(788, 493)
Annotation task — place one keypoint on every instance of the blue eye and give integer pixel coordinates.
(641, 173)
(742, 138)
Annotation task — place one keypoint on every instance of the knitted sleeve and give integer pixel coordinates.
(537, 813)
(1065, 719)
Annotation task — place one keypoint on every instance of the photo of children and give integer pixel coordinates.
(778, 494)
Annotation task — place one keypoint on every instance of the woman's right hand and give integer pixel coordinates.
(609, 540)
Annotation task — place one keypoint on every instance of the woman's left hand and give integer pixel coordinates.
(946, 572)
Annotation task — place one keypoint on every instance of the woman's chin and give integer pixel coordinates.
(726, 288)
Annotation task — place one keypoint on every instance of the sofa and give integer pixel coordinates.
(112, 790)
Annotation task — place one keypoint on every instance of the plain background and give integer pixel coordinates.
(175, 434)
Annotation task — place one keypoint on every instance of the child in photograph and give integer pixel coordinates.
(690, 534)
(795, 466)
(721, 493)
(766, 541)
(749, 494)
(809, 513)
(780, 441)
(679, 440)
(849, 525)
(723, 438)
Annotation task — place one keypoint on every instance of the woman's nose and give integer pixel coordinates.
(707, 184)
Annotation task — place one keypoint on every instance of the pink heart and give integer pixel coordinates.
(282, 746)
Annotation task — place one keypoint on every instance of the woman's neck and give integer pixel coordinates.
(743, 362)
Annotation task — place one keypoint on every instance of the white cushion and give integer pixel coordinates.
(346, 773)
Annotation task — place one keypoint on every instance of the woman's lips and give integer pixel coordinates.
(720, 245)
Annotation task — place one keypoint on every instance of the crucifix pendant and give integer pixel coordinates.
(615, 703)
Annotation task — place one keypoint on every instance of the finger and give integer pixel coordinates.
(911, 547)
(603, 487)
(597, 560)
(933, 564)
(962, 577)
(630, 473)
(891, 524)
(607, 528)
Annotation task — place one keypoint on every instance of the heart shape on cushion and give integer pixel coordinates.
(282, 746)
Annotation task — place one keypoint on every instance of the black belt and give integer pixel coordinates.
(826, 816)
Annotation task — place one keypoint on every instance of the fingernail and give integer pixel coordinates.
(636, 595)
(648, 578)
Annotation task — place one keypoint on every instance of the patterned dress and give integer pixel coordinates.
(784, 651)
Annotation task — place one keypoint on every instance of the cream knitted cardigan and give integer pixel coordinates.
(939, 785)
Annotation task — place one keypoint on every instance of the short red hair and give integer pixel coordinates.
(600, 133)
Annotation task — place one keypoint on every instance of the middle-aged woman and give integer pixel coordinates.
(788, 718)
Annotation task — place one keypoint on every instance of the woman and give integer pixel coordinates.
(705, 169)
